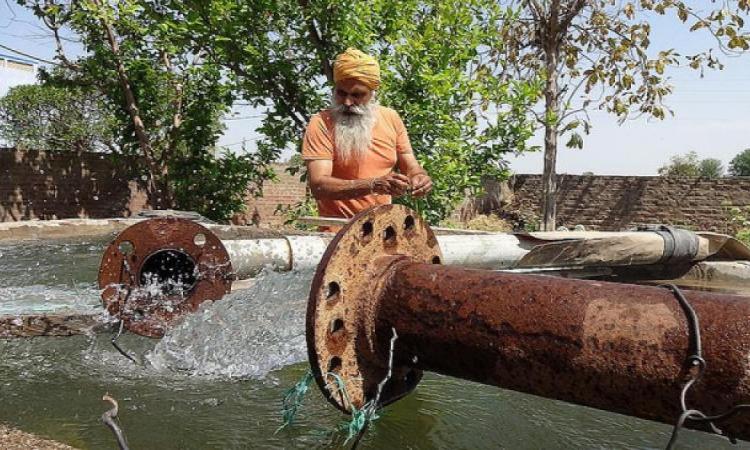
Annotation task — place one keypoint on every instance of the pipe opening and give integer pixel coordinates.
(171, 271)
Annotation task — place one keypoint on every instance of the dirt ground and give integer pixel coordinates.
(12, 439)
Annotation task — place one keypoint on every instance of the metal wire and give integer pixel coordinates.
(695, 360)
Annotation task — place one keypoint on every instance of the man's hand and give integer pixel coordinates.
(421, 185)
(394, 184)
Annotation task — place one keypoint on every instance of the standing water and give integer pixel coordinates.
(216, 380)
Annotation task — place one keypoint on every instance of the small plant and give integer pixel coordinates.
(293, 212)
(738, 222)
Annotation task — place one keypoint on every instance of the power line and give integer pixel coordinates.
(18, 52)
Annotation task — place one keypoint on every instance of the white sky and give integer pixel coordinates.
(712, 114)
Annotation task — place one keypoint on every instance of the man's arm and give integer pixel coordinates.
(420, 181)
(325, 186)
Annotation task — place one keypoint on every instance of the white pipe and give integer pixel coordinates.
(485, 251)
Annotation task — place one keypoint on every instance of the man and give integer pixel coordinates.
(352, 147)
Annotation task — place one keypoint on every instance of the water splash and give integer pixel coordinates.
(245, 335)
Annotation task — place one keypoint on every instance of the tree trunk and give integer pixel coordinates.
(157, 188)
(552, 110)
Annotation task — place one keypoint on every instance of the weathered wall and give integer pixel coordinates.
(620, 202)
(39, 185)
(35, 185)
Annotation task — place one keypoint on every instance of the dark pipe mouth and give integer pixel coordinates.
(172, 271)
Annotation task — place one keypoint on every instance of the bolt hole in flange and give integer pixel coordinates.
(199, 239)
(337, 327)
(409, 223)
(436, 260)
(333, 292)
(389, 236)
(367, 229)
(334, 365)
(126, 248)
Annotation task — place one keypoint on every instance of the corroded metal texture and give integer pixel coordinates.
(610, 346)
(158, 270)
(616, 347)
(26, 325)
(337, 333)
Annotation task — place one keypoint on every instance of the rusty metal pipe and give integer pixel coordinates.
(610, 346)
(616, 347)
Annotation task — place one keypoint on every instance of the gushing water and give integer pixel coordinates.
(244, 335)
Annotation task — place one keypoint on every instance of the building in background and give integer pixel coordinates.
(15, 71)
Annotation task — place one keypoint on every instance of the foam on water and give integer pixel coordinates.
(245, 335)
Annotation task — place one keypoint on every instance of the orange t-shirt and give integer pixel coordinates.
(389, 139)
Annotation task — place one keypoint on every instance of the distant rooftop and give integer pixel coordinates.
(17, 60)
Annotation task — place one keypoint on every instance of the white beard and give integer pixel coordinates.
(353, 128)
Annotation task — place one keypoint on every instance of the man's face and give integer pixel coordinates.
(350, 94)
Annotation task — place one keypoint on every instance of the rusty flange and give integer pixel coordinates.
(341, 307)
(157, 270)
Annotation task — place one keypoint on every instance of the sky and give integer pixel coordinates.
(711, 114)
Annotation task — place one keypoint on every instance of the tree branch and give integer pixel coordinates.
(320, 45)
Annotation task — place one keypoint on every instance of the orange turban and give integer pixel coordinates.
(355, 64)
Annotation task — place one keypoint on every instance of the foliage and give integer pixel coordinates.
(482, 222)
(51, 118)
(166, 95)
(292, 213)
(434, 58)
(739, 219)
(710, 168)
(598, 54)
(689, 165)
(740, 164)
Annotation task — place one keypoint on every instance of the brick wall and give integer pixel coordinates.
(287, 190)
(57, 185)
(620, 202)
(38, 185)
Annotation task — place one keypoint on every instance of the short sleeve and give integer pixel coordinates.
(403, 145)
(317, 143)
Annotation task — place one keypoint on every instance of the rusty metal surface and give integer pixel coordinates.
(610, 346)
(340, 309)
(28, 325)
(148, 311)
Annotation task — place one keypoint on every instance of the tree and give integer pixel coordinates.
(689, 165)
(596, 53)
(740, 164)
(57, 118)
(710, 168)
(166, 95)
(462, 113)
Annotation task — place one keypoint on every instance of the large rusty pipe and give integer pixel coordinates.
(616, 347)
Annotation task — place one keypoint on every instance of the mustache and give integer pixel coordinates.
(353, 109)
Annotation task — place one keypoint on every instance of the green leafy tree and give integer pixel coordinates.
(710, 168)
(51, 118)
(690, 165)
(598, 53)
(740, 164)
(462, 112)
(167, 96)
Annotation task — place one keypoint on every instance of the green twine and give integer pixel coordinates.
(361, 418)
(293, 399)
